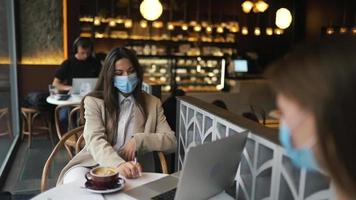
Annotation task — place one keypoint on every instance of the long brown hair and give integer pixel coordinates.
(105, 89)
(322, 79)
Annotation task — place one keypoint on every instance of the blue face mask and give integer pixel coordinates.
(301, 157)
(126, 84)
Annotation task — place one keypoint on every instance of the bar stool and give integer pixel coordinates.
(4, 116)
(29, 118)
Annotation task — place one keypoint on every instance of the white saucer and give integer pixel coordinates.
(107, 190)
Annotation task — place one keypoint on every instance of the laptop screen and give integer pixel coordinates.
(83, 86)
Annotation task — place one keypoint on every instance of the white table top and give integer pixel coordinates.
(73, 99)
(75, 190)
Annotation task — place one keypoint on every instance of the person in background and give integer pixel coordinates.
(170, 106)
(120, 120)
(81, 65)
(316, 95)
(170, 111)
(220, 103)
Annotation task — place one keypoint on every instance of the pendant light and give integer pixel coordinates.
(151, 9)
(209, 27)
(197, 27)
(170, 25)
(184, 23)
(260, 6)
(244, 30)
(128, 21)
(112, 21)
(247, 6)
(283, 18)
(343, 28)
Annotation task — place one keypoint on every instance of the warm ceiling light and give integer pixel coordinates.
(234, 27)
(157, 24)
(247, 6)
(97, 21)
(257, 31)
(343, 30)
(197, 28)
(278, 31)
(269, 31)
(128, 23)
(143, 24)
(220, 29)
(170, 26)
(244, 30)
(283, 18)
(120, 20)
(209, 29)
(261, 6)
(330, 31)
(204, 24)
(193, 23)
(353, 30)
(184, 27)
(151, 9)
(112, 22)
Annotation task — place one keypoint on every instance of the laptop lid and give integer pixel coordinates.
(210, 168)
(83, 85)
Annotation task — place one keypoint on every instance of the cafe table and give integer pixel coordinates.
(76, 190)
(72, 100)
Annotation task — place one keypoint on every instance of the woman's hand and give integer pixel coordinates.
(130, 169)
(128, 153)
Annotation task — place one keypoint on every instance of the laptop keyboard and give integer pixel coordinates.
(169, 195)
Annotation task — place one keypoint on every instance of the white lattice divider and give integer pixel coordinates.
(265, 171)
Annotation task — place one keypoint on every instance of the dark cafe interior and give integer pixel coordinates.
(178, 99)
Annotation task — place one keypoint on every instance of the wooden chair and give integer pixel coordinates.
(259, 112)
(29, 118)
(59, 145)
(163, 162)
(73, 120)
(76, 131)
(4, 116)
(71, 142)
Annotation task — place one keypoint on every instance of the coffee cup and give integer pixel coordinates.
(103, 177)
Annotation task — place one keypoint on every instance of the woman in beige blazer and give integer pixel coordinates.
(120, 119)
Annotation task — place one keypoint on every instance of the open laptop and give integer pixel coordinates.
(208, 169)
(83, 85)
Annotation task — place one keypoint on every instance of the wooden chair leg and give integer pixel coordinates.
(49, 125)
(29, 123)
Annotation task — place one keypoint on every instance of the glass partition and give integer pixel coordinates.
(9, 116)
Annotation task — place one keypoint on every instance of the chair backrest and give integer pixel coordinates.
(80, 144)
(56, 149)
(57, 122)
(73, 120)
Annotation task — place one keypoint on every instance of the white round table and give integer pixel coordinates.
(76, 190)
(73, 99)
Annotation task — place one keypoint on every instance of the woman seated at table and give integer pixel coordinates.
(120, 119)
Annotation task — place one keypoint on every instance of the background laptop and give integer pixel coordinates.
(85, 85)
(208, 169)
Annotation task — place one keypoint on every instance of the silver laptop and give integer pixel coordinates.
(208, 169)
(81, 86)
